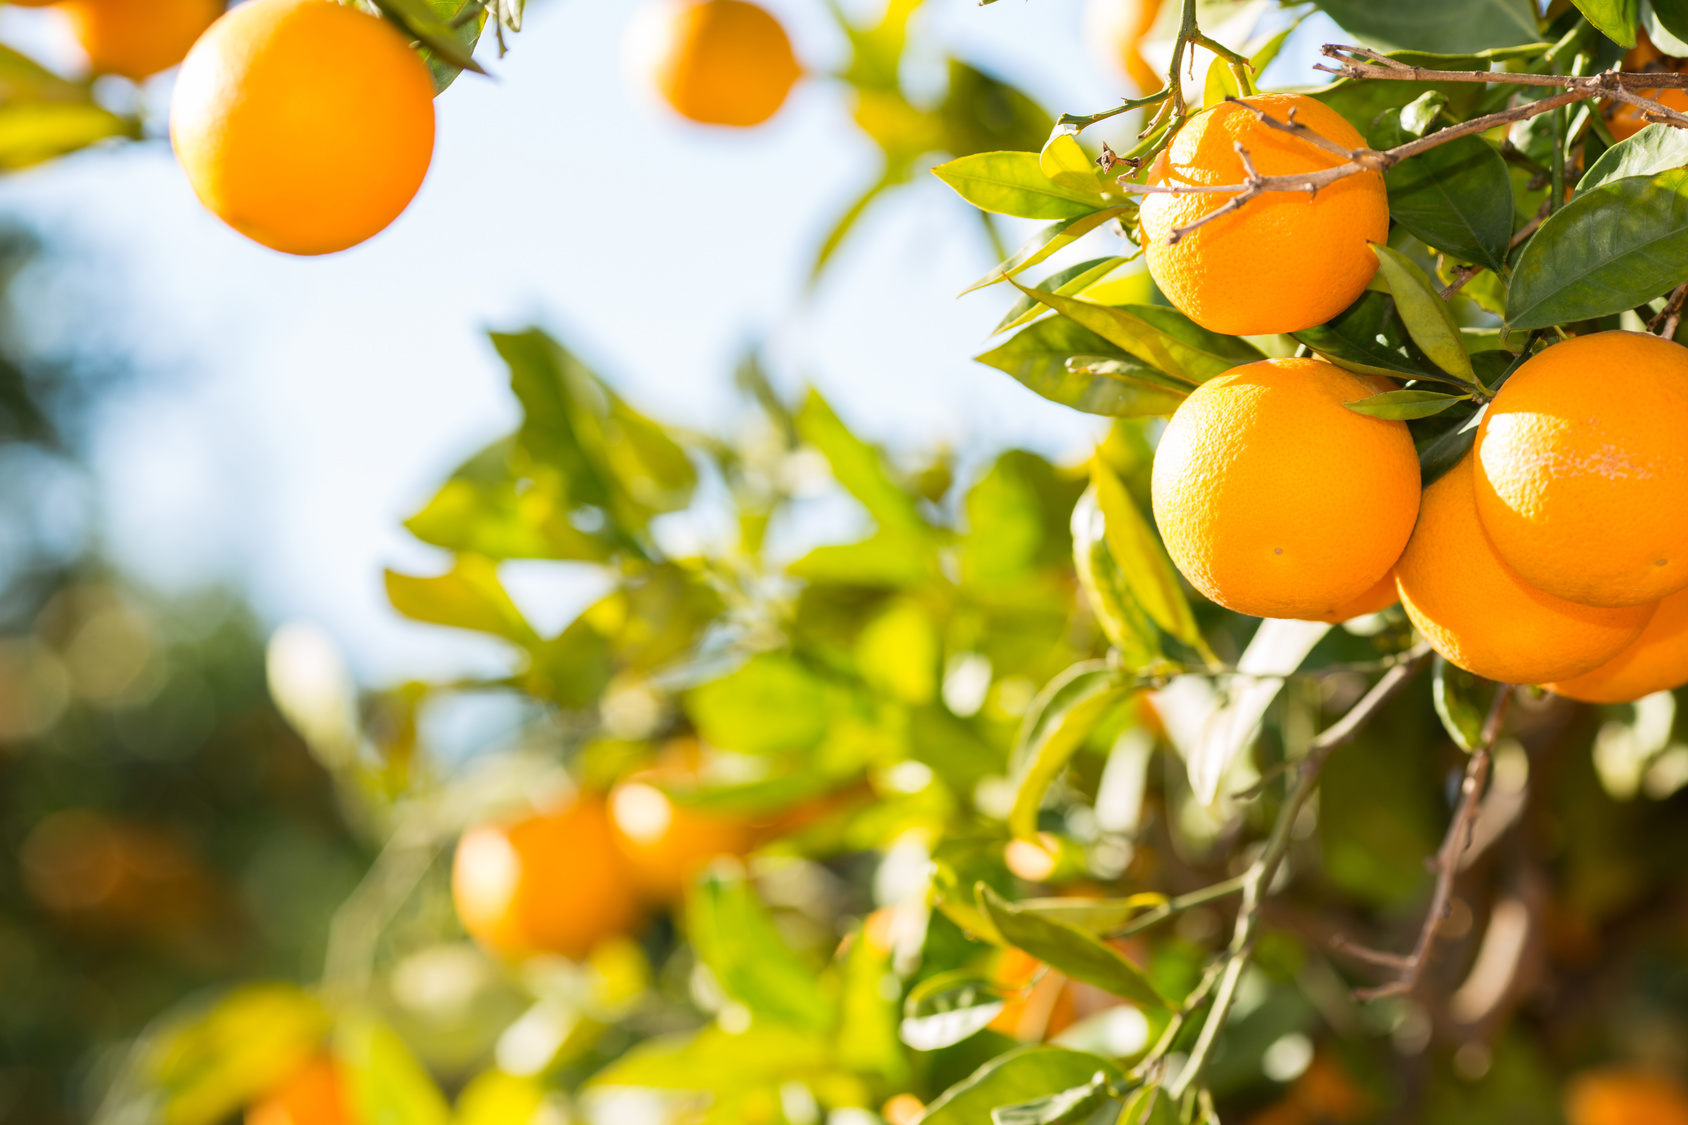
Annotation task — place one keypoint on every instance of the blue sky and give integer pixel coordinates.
(289, 412)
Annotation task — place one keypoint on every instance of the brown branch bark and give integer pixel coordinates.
(1410, 969)
(1671, 315)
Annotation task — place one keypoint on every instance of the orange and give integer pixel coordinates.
(1282, 262)
(139, 38)
(554, 883)
(1654, 661)
(1120, 26)
(1480, 615)
(305, 125)
(1582, 474)
(1626, 120)
(667, 844)
(719, 62)
(1046, 1008)
(1625, 1097)
(1274, 498)
(316, 1095)
(1375, 600)
(903, 1109)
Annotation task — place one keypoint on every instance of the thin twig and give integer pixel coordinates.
(1461, 275)
(1410, 969)
(1665, 323)
(1382, 66)
(1181, 903)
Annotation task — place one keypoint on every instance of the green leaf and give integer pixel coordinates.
(1144, 566)
(1057, 723)
(1455, 693)
(981, 114)
(1093, 915)
(1366, 338)
(943, 1010)
(1608, 250)
(464, 19)
(1220, 83)
(203, 1064)
(770, 705)
(1163, 338)
(734, 935)
(1127, 627)
(859, 467)
(1615, 19)
(1443, 451)
(882, 560)
(1064, 163)
(1069, 1107)
(1018, 1076)
(868, 1021)
(1069, 950)
(1045, 242)
(1402, 406)
(572, 669)
(493, 1097)
(714, 1061)
(1074, 279)
(1657, 148)
(1038, 357)
(487, 509)
(33, 132)
(469, 596)
(1666, 22)
(1014, 183)
(419, 19)
(1428, 319)
(1456, 198)
(384, 1081)
(1454, 27)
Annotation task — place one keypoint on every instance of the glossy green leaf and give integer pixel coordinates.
(1656, 148)
(1057, 723)
(1439, 453)
(1402, 406)
(1609, 249)
(420, 20)
(945, 1009)
(1162, 338)
(1128, 628)
(770, 705)
(1455, 692)
(1366, 337)
(1220, 83)
(1428, 319)
(1069, 950)
(1615, 19)
(469, 596)
(1074, 279)
(735, 936)
(1451, 27)
(384, 1081)
(463, 20)
(1018, 1076)
(1069, 1107)
(1456, 198)
(1147, 571)
(1046, 242)
(1038, 357)
(1065, 163)
(1014, 183)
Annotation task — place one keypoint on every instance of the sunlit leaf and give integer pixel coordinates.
(1615, 19)
(1366, 338)
(1144, 566)
(1066, 164)
(1039, 354)
(1161, 337)
(1128, 628)
(1018, 1076)
(1404, 405)
(1656, 148)
(945, 1009)
(205, 1063)
(1069, 950)
(1455, 692)
(1047, 241)
(423, 23)
(469, 596)
(384, 1081)
(496, 1098)
(1057, 723)
(1074, 279)
(1014, 183)
(1456, 198)
(1428, 319)
(868, 1021)
(1069, 1107)
(734, 935)
(1452, 27)
(769, 705)
(859, 467)
(711, 1060)
(36, 131)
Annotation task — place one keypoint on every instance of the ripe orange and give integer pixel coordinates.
(1481, 616)
(720, 62)
(667, 844)
(316, 1095)
(139, 38)
(1375, 600)
(1625, 1097)
(1582, 475)
(554, 883)
(1277, 500)
(1283, 261)
(305, 125)
(1120, 26)
(1654, 661)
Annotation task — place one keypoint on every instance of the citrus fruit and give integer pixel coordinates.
(1476, 612)
(667, 843)
(1283, 261)
(1119, 27)
(1582, 475)
(316, 1095)
(304, 124)
(1375, 600)
(1274, 498)
(139, 38)
(1044, 1007)
(1654, 661)
(1626, 120)
(1625, 1097)
(553, 883)
(719, 62)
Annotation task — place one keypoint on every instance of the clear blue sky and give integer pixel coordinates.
(291, 411)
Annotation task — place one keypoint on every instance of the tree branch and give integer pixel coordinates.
(1665, 323)
(1410, 969)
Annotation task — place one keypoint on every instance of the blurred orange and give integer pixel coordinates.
(720, 62)
(1046, 1008)
(667, 844)
(554, 883)
(904, 1109)
(1625, 120)
(1625, 1097)
(316, 1095)
(139, 38)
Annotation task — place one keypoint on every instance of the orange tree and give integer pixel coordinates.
(983, 816)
